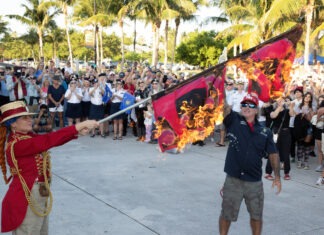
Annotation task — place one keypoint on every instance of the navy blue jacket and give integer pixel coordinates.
(246, 148)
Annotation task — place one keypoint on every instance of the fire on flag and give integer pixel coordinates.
(189, 111)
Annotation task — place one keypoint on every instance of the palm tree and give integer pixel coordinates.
(186, 12)
(3, 27)
(94, 12)
(247, 27)
(154, 12)
(64, 4)
(31, 38)
(180, 9)
(37, 16)
(307, 10)
(55, 36)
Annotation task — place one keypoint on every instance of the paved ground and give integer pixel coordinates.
(105, 186)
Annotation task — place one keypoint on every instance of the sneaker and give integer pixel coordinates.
(287, 177)
(299, 164)
(269, 177)
(320, 181)
(319, 168)
(306, 166)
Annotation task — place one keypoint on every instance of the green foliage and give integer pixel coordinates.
(201, 49)
(111, 46)
(133, 56)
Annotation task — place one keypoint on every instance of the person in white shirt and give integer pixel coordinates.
(96, 108)
(235, 99)
(298, 98)
(85, 101)
(68, 68)
(73, 97)
(116, 99)
(229, 91)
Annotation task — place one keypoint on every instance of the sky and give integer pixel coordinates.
(14, 7)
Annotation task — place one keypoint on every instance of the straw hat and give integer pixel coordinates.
(13, 109)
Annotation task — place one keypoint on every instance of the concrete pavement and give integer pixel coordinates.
(105, 186)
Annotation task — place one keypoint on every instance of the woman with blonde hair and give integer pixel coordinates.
(28, 201)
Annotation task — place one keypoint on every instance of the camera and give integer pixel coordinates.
(18, 73)
(2, 73)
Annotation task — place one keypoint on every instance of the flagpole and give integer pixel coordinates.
(124, 110)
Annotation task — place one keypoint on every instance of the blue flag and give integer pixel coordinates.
(107, 95)
(127, 101)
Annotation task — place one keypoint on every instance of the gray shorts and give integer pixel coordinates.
(233, 193)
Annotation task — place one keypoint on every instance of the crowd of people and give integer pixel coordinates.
(296, 119)
(36, 101)
(63, 97)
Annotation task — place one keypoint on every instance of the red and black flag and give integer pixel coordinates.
(189, 111)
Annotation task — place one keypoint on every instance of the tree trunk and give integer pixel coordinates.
(53, 51)
(101, 46)
(234, 49)
(154, 44)
(66, 22)
(157, 42)
(121, 25)
(134, 42)
(309, 15)
(97, 46)
(177, 22)
(166, 30)
(40, 38)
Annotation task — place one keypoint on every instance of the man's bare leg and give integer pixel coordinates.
(256, 226)
(224, 226)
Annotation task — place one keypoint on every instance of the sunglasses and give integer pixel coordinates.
(251, 106)
(229, 84)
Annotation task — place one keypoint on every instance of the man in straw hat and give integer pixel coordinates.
(28, 201)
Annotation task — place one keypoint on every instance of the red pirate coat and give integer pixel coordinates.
(27, 153)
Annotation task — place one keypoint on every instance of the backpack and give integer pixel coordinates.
(301, 124)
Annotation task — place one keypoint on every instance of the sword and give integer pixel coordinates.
(124, 110)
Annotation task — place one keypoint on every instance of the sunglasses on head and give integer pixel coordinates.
(251, 106)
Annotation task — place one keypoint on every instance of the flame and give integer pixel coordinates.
(276, 79)
(201, 125)
(198, 123)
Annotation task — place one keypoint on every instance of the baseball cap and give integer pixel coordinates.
(249, 98)
(300, 89)
(121, 74)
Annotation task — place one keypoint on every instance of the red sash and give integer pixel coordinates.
(23, 87)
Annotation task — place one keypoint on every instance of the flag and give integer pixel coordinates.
(188, 111)
(127, 101)
(107, 94)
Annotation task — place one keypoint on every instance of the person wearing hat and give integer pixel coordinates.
(243, 165)
(28, 201)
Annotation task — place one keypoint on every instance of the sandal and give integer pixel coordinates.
(120, 138)
(220, 145)
(92, 136)
(103, 135)
(115, 138)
